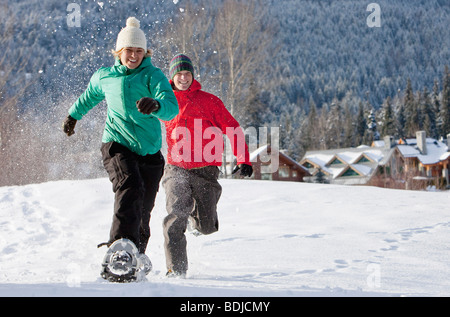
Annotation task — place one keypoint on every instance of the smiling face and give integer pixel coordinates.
(183, 80)
(132, 57)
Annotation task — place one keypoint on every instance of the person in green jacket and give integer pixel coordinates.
(138, 95)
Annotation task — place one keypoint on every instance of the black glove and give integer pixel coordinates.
(69, 125)
(147, 105)
(246, 170)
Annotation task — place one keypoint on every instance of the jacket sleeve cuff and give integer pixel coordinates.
(74, 114)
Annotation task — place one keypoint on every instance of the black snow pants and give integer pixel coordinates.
(135, 180)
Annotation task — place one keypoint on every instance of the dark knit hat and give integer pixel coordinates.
(178, 63)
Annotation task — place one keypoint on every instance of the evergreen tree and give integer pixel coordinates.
(361, 125)
(436, 107)
(372, 127)
(322, 128)
(349, 131)
(400, 121)
(253, 116)
(428, 117)
(321, 178)
(411, 111)
(334, 125)
(445, 105)
(310, 142)
(388, 126)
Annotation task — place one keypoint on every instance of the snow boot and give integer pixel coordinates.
(175, 274)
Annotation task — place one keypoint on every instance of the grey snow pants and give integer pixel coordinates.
(189, 193)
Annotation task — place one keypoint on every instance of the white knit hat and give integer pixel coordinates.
(131, 35)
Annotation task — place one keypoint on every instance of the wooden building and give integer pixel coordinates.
(276, 166)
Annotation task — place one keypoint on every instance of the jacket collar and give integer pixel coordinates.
(146, 62)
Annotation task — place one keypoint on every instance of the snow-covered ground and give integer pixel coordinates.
(275, 239)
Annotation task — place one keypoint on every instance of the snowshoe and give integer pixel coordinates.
(121, 262)
(145, 265)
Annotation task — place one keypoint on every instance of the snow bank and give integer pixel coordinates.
(275, 239)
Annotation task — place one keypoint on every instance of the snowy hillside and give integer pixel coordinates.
(275, 239)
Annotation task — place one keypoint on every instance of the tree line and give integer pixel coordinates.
(312, 68)
(340, 125)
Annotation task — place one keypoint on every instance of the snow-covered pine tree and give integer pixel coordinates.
(428, 117)
(411, 111)
(445, 103)
(388, 123)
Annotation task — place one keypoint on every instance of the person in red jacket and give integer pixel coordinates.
(195, 148)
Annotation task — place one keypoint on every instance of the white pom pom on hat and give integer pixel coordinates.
(133, 22)
(131, 35)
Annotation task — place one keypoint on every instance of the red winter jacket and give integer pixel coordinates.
(194, 136)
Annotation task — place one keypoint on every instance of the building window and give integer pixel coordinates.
(350, 173)
(283, 172)
(266, 169)
(336, 161)
(363, 160)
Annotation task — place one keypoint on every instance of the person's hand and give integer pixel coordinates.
(147, 105)
(69, 125)
(246, 170)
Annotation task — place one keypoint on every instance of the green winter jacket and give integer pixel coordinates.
(122, 87)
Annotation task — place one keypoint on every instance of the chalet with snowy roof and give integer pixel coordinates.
(425, 159)
(276, 166)
(347, 166)
(407, 164)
